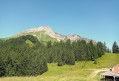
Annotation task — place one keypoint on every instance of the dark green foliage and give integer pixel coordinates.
(26, 56)
(100, 49)
(115, 48)
(83, 50)
(92, 51)
(60, 63)
(95, 61)
(1, 40)
(60, 60)
(29, 37)
(68, 53)
(2, 67)
(71, 58)
(17, 58)
(49, 44)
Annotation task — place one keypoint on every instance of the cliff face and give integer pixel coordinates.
(46, 30)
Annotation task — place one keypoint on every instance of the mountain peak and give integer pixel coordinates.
(41, 28)
(44, 28)
(48, 31)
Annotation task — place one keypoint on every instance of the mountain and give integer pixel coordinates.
(45, 34)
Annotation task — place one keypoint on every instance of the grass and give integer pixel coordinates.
(43, 38)
(77, 72)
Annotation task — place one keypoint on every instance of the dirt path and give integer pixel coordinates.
(96, 71)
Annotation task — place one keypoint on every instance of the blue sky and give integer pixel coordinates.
(93, 19)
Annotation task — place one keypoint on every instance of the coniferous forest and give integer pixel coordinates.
(26, 56)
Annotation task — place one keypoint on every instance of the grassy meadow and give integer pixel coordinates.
(81, 71)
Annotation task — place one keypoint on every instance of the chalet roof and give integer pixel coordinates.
(112, 72)
(116, 69)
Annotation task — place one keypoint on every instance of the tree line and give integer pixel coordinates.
(68, 52)
(26, 56)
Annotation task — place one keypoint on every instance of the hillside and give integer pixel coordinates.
(45, 34)
(1, 40)
(78, 72)
(22, 56)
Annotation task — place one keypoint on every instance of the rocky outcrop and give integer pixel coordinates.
(48, 31)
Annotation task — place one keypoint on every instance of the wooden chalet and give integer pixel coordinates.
(111, 75)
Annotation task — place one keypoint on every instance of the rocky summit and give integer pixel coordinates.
(46, 30)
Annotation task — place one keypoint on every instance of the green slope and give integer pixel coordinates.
(77, 72)
(43, 38)
(1, 40)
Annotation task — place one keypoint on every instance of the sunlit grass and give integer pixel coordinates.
(77, 72)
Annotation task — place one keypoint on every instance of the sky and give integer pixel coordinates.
(93, 19)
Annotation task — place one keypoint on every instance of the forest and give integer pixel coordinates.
(26, 56)
(22, 56)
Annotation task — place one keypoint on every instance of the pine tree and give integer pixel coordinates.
(2, 67)
(104, 46)
(100, 49)
(115, 47)
(72, 58)
(91, 47)
(49, 44)
(88, 52)
(83, 50)
(60, 61)
(95, 61)
(77, 50)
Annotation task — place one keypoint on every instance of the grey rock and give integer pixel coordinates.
(48, 31)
